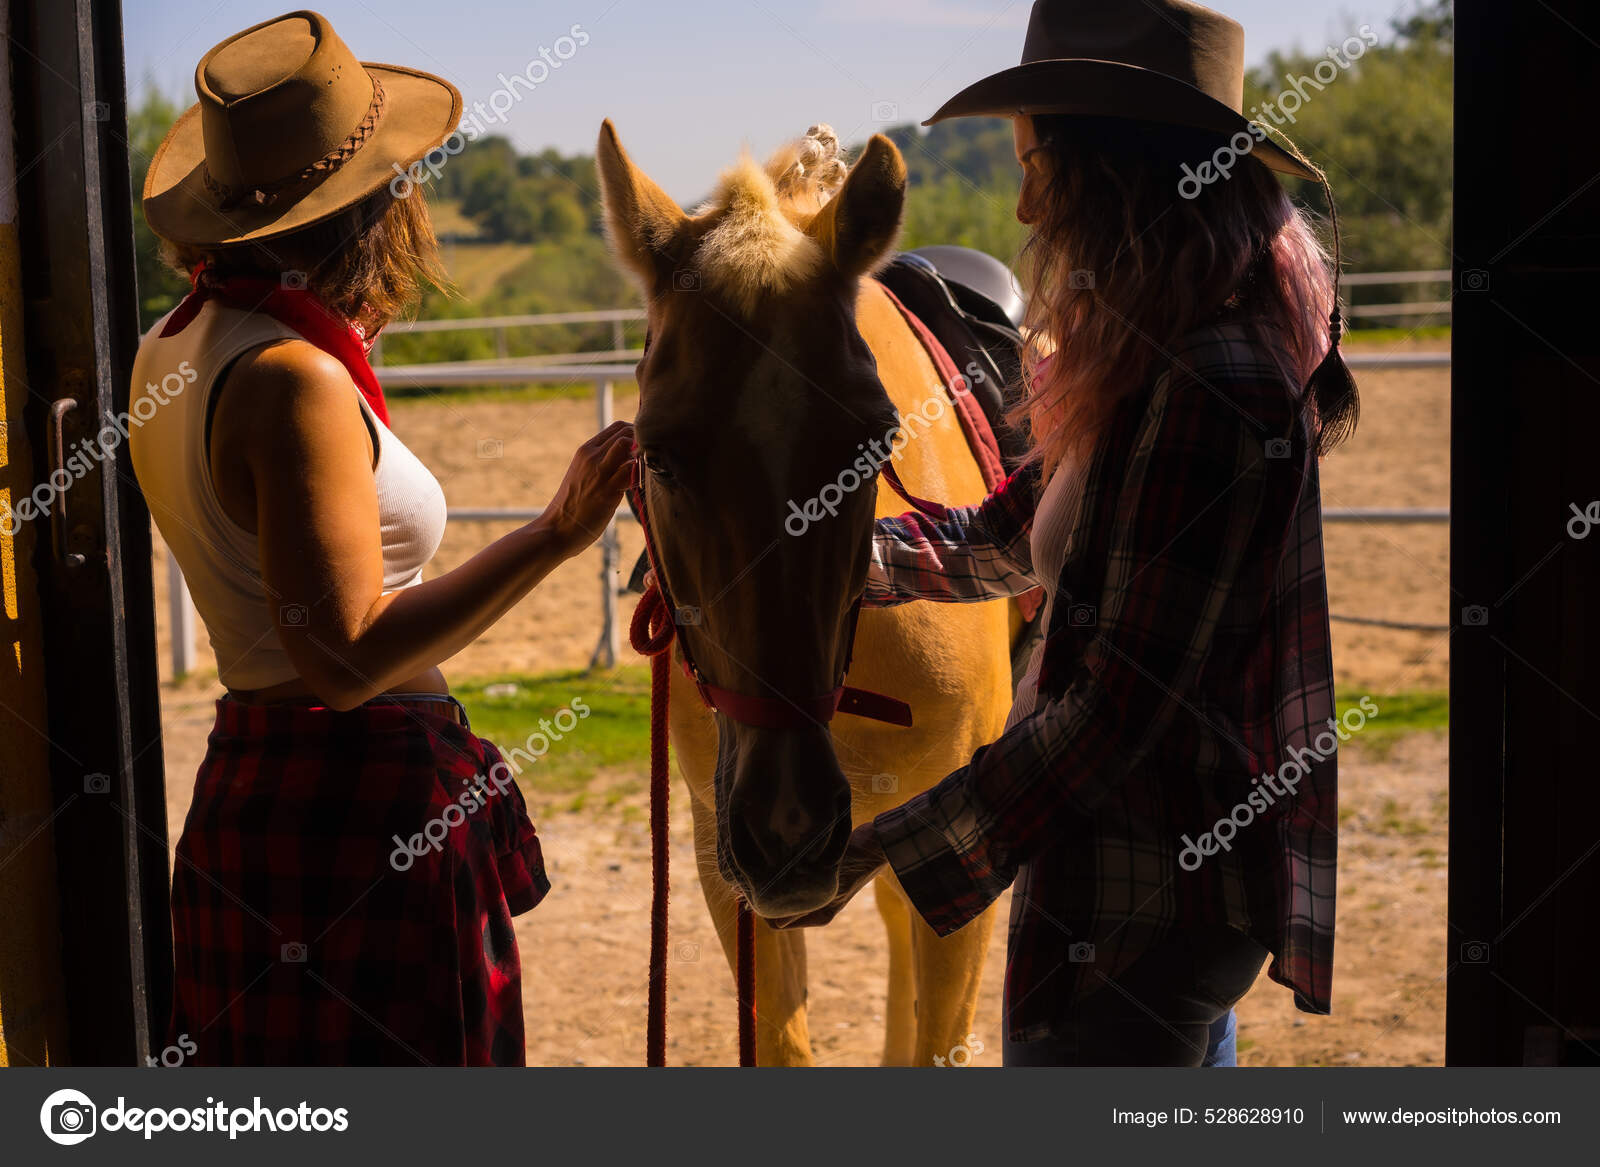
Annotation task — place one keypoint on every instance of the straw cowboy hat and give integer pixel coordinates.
(290, 129)
(1165, 61)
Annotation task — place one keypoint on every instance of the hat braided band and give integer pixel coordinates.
(265, 195)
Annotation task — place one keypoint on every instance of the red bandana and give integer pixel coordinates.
(295, 308)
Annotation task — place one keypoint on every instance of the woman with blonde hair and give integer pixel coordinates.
(353, 855)
(1162, 801)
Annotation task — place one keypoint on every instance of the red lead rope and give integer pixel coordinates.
(657, 644)
(652, 633)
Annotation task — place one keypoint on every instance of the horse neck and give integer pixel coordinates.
(936, 461)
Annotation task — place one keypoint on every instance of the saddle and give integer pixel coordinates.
(969, 327)
(970, 304)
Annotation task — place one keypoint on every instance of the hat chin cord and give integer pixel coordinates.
(1330, 382)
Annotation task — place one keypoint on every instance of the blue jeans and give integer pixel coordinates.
(1171, 1007)
(1223, 1048)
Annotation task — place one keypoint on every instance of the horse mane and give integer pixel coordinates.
(756, 244)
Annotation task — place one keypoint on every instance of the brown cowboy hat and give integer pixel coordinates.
(1165, 61)
(290, 129)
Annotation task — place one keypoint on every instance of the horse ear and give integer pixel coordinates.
(859, 227)
(642, 221)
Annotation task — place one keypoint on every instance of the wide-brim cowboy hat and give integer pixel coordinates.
(290, 129)
(1169, 62)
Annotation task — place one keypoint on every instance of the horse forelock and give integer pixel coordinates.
(756, 244)
(754, 248)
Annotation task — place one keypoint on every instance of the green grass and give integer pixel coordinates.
(1391, 335)
(615, 734)
(511, 394)
(1399, 715)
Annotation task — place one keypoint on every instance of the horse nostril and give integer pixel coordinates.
(793, 827)
(747, 842)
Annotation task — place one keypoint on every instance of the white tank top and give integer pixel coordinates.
(173, 379)
(1055, 524)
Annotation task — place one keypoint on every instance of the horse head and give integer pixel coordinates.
(761, 423)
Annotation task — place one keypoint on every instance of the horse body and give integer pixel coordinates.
(950, 663)
(773, 362)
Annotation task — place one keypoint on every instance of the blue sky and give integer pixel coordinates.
(688, 81)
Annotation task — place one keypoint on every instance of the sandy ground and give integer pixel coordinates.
(585, 948)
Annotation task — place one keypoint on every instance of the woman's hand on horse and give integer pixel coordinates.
(592, 489)
(863, 859)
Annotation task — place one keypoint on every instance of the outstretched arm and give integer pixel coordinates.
(1186, 509)
(302, 437)
(974, 553)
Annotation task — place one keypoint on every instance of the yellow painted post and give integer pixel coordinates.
(33, 1021)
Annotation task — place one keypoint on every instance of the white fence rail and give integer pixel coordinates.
(602, 369)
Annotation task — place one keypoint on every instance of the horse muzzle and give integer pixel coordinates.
(787, 818)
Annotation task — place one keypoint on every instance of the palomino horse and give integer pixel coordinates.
(773, 364)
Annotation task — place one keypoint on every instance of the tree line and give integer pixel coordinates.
(1382, 128)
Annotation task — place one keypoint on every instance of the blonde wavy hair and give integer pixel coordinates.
(1118, 266)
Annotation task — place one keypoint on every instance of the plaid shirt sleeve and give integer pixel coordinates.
(973, 553)
(1185, 510)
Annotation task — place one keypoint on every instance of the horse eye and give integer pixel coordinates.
(657, 466)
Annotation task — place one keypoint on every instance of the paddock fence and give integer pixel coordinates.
(605, 369)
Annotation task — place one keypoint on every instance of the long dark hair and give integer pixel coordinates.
(1120, 264)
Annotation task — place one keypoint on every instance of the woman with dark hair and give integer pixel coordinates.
(353, 855)
(1163, 798)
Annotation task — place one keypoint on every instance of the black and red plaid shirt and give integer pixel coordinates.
(305, 935)
(1187, 660)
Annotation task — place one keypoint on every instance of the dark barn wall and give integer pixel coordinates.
(1525, 701)
(88, 561)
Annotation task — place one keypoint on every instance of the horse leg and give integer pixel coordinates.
(900, 1003)
(948, 972)
(782, 1037)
